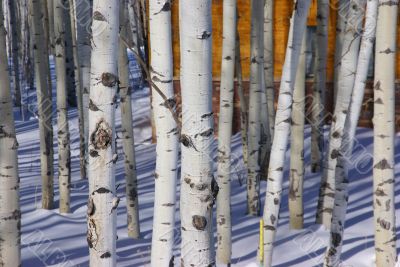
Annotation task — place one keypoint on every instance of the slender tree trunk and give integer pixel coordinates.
(254, 127)
(351, 46)
(15, 50)
(79, 92)
(44, 104)
(332, 256)
(242, 99)
(133, 23)
(297, 143)
(282, 126)
(224, 228)
(197, 183)
(167, 134)
(384, 121)
(69, 56)
(64, 155)
(103, 202)
(46, 25)
(128, 145)
(51, 17)
(10, 214)
(319, 89)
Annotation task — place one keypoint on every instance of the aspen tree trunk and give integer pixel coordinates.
(384, 118)
(351, 46)
(332, 256)
(297, 143)
(128, 144)
(167, 134)
(50, 12)
(269, 61)
(282, 126)
(64, 155)
(242, 99)
(79, 92)
(103, 202)
(133, 23)
(319, 89)
(46, 25)
(44, 104)
(254, 127)
(198, 187)
(69, 57)
(10, 214)
(15, 50)
(224, 228)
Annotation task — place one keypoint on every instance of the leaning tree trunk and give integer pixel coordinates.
(10, 214)
(351, 46)
(64, 155)
(79, 92)
(282, 126)
(197, 184)
(44, 104)
(384, 121)
(224, 228)
(332, 256)
(297, 144)
(103, 202)
(128, 144)
(254, 127)
(167, 134)
(319, 89)
(15, 50)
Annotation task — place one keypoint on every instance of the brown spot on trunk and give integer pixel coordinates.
(199, 222)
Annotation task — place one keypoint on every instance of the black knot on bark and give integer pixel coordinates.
(101, 138)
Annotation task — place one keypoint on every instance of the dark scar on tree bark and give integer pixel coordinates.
(109, 79)
(102, 136)
(199, 222)
(98, 16)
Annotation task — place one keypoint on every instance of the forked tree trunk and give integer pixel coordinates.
(332, 256)
(351, 46)
(103, 202)
(64, 159)
(15, 50)
(197, 183)
(167, 134)
(384, 121)
(224, 228)
(128, 143)
(319, 89)
(282, 126)
(44, 104)
(297, 143)
(10, 214)
(254, 127)
(79, 92)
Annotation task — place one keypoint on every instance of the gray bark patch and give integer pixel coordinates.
(98, 16)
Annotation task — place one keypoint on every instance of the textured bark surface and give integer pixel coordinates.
(64, 155)
(332, 256)
(14, 43)
(167, 134)
(318, 105)
(296, 174)
(224, 228)
(103, 202)
(350, 50)
(282, 127)
(128, 143)
(384, 100)
(198, 187)
(10, 214)
(44, 103)
(255, 96)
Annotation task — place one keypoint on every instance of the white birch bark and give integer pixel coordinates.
(319, 89)
(350, 50)
(255, 95)
(10, 214)
(64, 156)
(167, 134)
(44, 103)
(282, 126)
(103, 202)
(224, 228)
(384, 119)
(128, 143)
(332, 256)
(297, 143)
(50, 12)
(197, 183)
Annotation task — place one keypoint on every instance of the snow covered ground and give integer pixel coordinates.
(53, 239)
